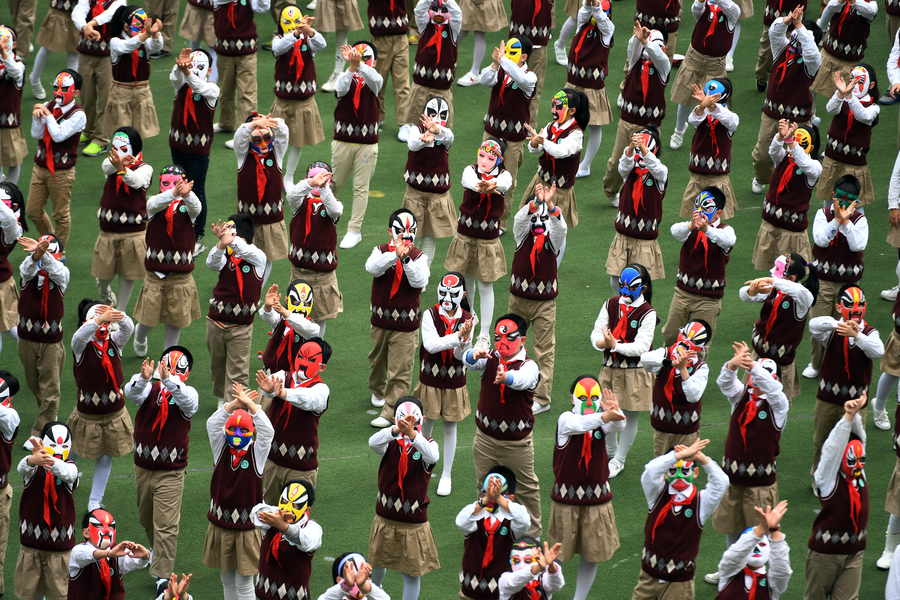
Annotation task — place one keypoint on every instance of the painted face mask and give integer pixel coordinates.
(538, 219)
(649, 141)
(261, 141)
(179, 362)
(7, 39)
(504, 489)
(769, 366)
(407, 409)
(450, 292)
(404, 227)
(308, 361)
(291, 17)
(102, 332)
(692, 337)
(138, 22)
(200, 65)
(714, 86)
(631, 284)
(706, 204)
(102, 529)
(559, 107)
(586, 397)
(606, 6)
(5, 394)
(239, 429)
(804, 140)
(861, 89)
(513, 50)
(781, 266)
(438, 13)
(680, 476)
(57, 440)
(170, 177)
(295, 500)
(438, 110)
(489, 156)
(358, 561)
(300, 298)
(7, 198)
(656, 37)
(854, 463)
(523, 555)
(64, 89)
(367, 52)
(759, 556)
(853, 305)
(315, 169)
(845, 198)
(122, 143)
(507, 338)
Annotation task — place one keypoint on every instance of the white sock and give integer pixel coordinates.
(102, 469)
(104, 286)
(267, 272)
(731, 538)
(195, 45)
(214, 65)
(13, 333)
(478, 54)
(566, 31)
(293, 158)
(428, 243)
(449, 428)
(171, 336)
(587, 571)
(562, 250)
(681, 117)
(12, 174)
(40, 60)
(141, 332)
(595, 136)
(378, 575)
(228, 584)
(626, 437)
(428, 427)
(244, 585)
(885, 384)
(894, 525)
(322, 325)
(486, 303)
(471, 288)
(340, 39)
(734, 41)
(126, 287)
(72, 60)
(411, 587)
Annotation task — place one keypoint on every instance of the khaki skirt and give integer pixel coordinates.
(735, 512)
(890, 361)
(232, 549)
(329, 302)
(435, 212)
(697, 69)
(892, 500)
(9, 304)
(626, 249)
(634, 387)
(96, 435)
(697, 182)
(13, 148)
(483, 15)
(598, 102)
(564, 199)
(893, 236)
(57, 32)
(418, 98)
(824, 83)
(302, 118)
(134, 106)
(772, 242)
(449, 404)
(484, 258)
(337, 15)
(746, 7)
(833, 170)
(405, 547)
(572, 7)
(272, 239)
(197, 25)
(119, 254)
(172, 300)
(587, 530)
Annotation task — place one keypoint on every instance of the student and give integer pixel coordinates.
(95, 69)
(534, 573)
(389, 25)
(845, 29)
(12, 225)
(57, 33)
(9, 428)
(533, 19)
(341, 17)
(12, 141)
(890, 374)
(353, 579)
(480, 18)
(290, 326)
(197, 25)
(434, 65)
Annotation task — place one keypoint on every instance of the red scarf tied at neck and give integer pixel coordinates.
(622, 325)
(436, 39)
(669, 508)
(713, 19)
(702, 238)
(48, 140)
(163, 415)
(49, 494)
(755, 577)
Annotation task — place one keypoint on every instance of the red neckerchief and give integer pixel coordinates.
(45, 293)
(534, 589)
(404, 462)
(107, 363)
(537, 9)
(450, 328)
(506, 80)
(714, 18)
(621, 327)
(360, 82)
(754, 576)
(236, 456)
(135, 60)
(785, 177)
(539, 239)
(436, 39)
(669, 388)
(712, 121)
(668, 508)
(702, 238)
(231, 14)
(505, 364)
(163, 415)
(48, 139)
(49, 494)
(845, 12)
(586, 450)
(287, 342)
(236, 261)
(189, 108)
(261, 176)
(637, 189)
(286, 407)
(855, 504)
(297, 57)
(645, 77)
(862, 324)
(484, 177)
(749, 413)
(398, 271)
(771, 320)
(850, 117)
(490, 529)
(309, 213)
(274, 550)
(170, 218)
(834, 215)
(105, 575)
(581, 40)
(788, 59)
(555, 133)
(120, 182)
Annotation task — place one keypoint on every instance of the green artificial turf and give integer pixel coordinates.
(347, 477)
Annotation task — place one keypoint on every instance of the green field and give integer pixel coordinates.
(345, 498)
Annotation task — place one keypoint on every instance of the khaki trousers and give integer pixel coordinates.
(96, 71)
(762, 162)
(541, 318)
(651, 588)
(392, 358)
(828, 296)
(893, 23)
(22, 16)
(826, 416)
(537, 62)
(764, 59)
(229, 357)
(358, 160)
(5, 502)
(518, 457)
(393, 60)
(237, 76)
(835, 576)
(159, 510)
(167, 12)
(43, 366)
(512, 160)
(664, 441)
(685, 308)
(275, 477)
(58, 189)
(612, 181)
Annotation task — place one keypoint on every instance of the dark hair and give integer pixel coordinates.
(526, 541)
(665, 36)
(465, 305)
(12, 381)
(647, 292)
(519, 321)
(848, 183)
(705, 324)
(83, 307)
(814, 29)
(16, 197)
(370, 45)
(122, 17)
(579, 101)
(799, 267)
(718, 196)
(507, 474)
(243, 226)
(50, 424)
(501, 143)
(76, 78)
(813, 132)
(412, 399)
(653, 130)
(320, 164)
(326, 348)
(133, 136)
(399, 211)
(336, 565)
(310, 491)
(86, 519)
(873, 80)
(726, 83)
(527, 46)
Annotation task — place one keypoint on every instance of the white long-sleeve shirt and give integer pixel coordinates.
(866, 10)
(857, 234)
(604, 24)
(723, 237)
(369, 75)
(186, 398)
(279, 142)
(657, 56)
(119, 46)
(59, 132)
(772, 391)
(383, 438)
(207, 89)
(138, 179)
(14, 69)
(417, 271)
(525, 80)
(892, 588)
(567, 146)
(517, 515)
(658, 170)
(556, 228)
(85, 334)
(9, 422)
(822, 328)
(512, 582)
(803, 298)
(653, 481)
(569, 424)
(300, 324)
(833, 453)
(258, 6)
(693, 386)
(312, 399)
(217, 258)
(83, 556)
(335, 592)
(526, 377)
(434, 343)
(810, 167)
(55, 270)
(726, 117)
(9, 224)
(731, 11)
(67, 472)
(444, 136)
(735, 560)
(215, 430)
(283, 43)
(307, 537)
(470, 179)
(83, 9)
(778, 38)
(296, 194)
(894, 186)
(893, 62)
(863, 114)
(160, 202)
(455, 20)
(642, 340)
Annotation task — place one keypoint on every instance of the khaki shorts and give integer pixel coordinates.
(119, 254)
(449, 404)
(405, 547)
(232, 549)
(587, 530)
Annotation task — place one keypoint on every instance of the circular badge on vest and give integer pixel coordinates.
(762, 414)
(416, 456)
(598, 435)
(324, 214)
(111, 352)
(182, 208)
(800, 60)
(762, 582)
(141, 53)
(652, 71)
(688, 513)
(112, 571)
(303, 48)
(634, 324)
(515, 85)
(437, 143)
(197, 97)
(504, 530)
(649, 182)
(171, 400)
(443, 34)
(57, 481)
(296, 338)
(799, 171)
(52, 286)
(690, 370)
(245, 268)
(269, 163)
(785, 305)
(721, 18)
(244, 463)
(243, 2)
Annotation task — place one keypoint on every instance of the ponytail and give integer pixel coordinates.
(579, 102)
(799, 267)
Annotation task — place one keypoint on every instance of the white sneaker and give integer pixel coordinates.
(109, 298)
(891, 294)
(312, 5)
(93, 505)
(468, 80)
(220, 403)
(882, 420)
(815, 121)
(581, 174)
(141, 349)
(809, 372)
(403, 134)
(482, 342)
(444, 487)
(37, 90)
(676, 140)
(538, 408)
(884, 563)
(329, 85)
(28, 446)
(614, 202)
(615, 467)
(219, 129)
(230, 144)
(199, 246)
(756, 187)
(376, 402)
(729, 64)
(712, 578)
(562, 57)
(380, 423)
(351, 240)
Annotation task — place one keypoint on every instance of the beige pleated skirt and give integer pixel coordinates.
(405, 547)
(598, 102)
(9, 303)
(197, 25)
(435, 212)
(697, 69)
(302, 118)
(696, 184)
(449, 404)
(272, 239)
(484, 258)
(564, 199)
(13, 148)
(57, 32)
(746, 7)
(119, 254)
(96, 435)
(172, 300)
(232, 549)
(483, 15)
(131, 106)
(626, 249)
(633, 387)
(337, 15)
(587, 530)
(890, 361)
(833, 170)
(572, 7)
(893, 236)
(772, 242)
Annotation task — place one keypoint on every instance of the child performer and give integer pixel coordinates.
(289, 325)
(480, 18)
(434, 66)
(100, 423)
(121, 245)
(12, 141)
(57, 34)
(581, 511)
(9, 428)
(624, 331)
(476, 250)
(534, 573)
(845, 29)
(295, 84)
(91, 572)
(232, 541)
(288, 534)
(389, 26)
(533, 19)
(400, 272)
(352, 576)
(162, 428)
(197, 25)
(341, 17)
(407, 459)
(427, 175)
(446, 337)
(12, 224)
(313, 236)
(893, 236)
(491, 524)
(95, 69)
(889, 376)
